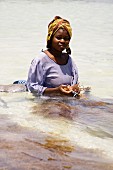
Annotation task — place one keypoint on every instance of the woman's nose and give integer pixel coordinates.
(62, 40)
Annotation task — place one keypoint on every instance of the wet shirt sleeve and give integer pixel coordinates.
(36, 77)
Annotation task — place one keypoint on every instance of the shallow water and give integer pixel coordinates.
(57, 132)
(62, 132)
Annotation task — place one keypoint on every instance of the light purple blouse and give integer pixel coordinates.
(45, 73)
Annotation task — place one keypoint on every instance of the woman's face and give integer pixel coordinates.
(60, 40)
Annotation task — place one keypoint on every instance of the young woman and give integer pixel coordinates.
(53, 71)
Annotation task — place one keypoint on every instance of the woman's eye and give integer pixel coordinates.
(59, 38)
(65, 38)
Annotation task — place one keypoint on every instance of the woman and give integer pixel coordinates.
(53, 71)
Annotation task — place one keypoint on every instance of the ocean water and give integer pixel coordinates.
(57, 132)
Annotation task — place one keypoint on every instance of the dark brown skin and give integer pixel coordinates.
(60, 42)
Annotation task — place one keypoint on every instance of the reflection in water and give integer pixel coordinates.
(3, 103)
(89, 117)
(70, 107)
(53, 108)
(58, 133)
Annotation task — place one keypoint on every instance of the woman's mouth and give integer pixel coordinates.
(61, 45)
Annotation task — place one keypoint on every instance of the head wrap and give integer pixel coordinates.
(55, 25)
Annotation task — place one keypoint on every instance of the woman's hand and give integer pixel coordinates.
(60, 90)
(76, 88)
(66, 89)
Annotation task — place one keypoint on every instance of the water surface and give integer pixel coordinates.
(57, 132)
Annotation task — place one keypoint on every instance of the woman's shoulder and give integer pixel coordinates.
(41, 57)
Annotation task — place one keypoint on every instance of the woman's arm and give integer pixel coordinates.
(60, 90)
(36, 77)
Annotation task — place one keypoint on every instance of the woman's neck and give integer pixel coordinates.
(55, 53)
(56, 56)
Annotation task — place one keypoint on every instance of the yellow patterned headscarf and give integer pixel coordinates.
(55, 25)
